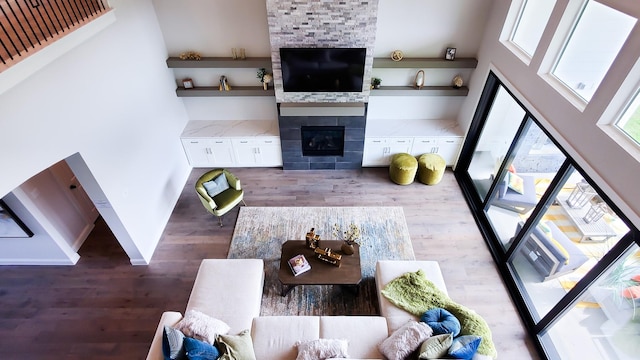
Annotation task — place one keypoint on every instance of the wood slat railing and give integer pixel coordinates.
(28, 25)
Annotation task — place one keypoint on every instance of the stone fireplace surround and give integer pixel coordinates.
(291, 141)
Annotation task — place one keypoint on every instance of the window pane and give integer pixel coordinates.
(501, 126)
(533, 19)
(535, 162)
(630, 120)
(574, 233)
(592, 47)
(606, 321)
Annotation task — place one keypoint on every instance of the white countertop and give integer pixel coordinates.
(412, 128)
(231, 128)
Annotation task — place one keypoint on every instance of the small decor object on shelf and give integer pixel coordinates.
(350, 237)
(190, 55)
(419, 80)
(397, 55)
(187, 83)
(313, 239)
(457, 81)
(265, 78)
(450, 54)
(242, 55)
(224, 84)
(299, 265)
(375, 83)
(327, 255)
(238, 54)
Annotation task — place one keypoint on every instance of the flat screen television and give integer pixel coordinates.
(322, 69)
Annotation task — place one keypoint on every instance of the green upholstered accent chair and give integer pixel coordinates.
(223, 202)
(430, 168)
(402, 169)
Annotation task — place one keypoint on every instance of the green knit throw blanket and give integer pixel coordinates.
(414, 293)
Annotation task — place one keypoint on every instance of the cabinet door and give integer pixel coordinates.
(270, 152)
(424, 145)
(246, 151)
(399, 145)
(448, 148)
(199, 152)
(376, 152)
(222, 152)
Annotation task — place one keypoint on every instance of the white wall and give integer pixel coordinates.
(601, 157)
(112, 101)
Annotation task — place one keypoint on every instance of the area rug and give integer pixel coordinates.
(261, 231)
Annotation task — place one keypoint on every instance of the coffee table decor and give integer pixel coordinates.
(329, 256)
(313, 239)
(350, 237)
(260, 232)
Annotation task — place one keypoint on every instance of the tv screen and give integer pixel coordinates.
(322, 69)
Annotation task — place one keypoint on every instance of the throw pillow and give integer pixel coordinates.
(516, 183)
(436, 346)
(631, 292)
(172, 343)
(201, 326)
(321, 349)
(217, 185)
(200, 350)
(236, 347)
(636, 278)
(464, 347)
(405, 340)
(441, 321)
(546, 229)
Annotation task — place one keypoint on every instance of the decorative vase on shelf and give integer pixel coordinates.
(347, 248)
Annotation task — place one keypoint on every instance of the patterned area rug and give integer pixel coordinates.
(261, 231)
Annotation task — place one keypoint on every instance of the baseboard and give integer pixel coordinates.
(55, 262)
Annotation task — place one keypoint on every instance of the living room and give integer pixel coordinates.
(136, 132)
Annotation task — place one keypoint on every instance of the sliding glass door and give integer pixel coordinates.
(567, 253)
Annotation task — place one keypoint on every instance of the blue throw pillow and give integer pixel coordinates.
(441, 321)
(217, 185)
(200, 350)
(172, 344)
(464, 347)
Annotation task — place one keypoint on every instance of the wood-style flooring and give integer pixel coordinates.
(104, 308)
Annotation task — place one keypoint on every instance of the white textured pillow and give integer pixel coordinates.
(322, 349)
(405, 340)
(201, 326)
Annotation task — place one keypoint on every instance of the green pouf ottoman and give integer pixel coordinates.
(403, 168)
(430, 168)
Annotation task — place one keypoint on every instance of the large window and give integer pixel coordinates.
(567, 253)
(592, 46)
(629, 122)
(530, 25)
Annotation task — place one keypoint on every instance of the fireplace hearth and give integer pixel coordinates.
(322, 140)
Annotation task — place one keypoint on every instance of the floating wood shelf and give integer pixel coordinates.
(220, 62)
(427, 63)
(425, 91)
(208, 91)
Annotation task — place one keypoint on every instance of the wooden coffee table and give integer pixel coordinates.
(348, 274)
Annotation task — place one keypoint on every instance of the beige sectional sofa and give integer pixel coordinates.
(231, 290)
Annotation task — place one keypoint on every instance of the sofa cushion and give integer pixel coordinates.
(546, 230)
(236, 347)
(435, 347)
(274, 337)
(387, 270)
(321, 349)
(201, 326)
(199, 350)
(441, 321)
(364, 333)
(464, 347)
(242, 281)
(172, 343)
(217, 185)
(405, 340)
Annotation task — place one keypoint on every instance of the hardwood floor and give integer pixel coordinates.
(104, 308)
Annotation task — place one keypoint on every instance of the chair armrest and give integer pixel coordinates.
(233, 181)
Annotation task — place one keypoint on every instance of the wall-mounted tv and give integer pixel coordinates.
(322, 69)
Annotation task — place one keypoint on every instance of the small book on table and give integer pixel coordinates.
(299, 265)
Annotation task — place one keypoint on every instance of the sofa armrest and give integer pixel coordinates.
(168, 318)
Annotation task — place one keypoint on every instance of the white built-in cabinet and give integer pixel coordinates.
(383, 140)
(233, 143)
